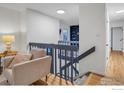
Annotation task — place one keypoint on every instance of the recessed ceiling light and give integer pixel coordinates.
(120, 11)
(60, 11)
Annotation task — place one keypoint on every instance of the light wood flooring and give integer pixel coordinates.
(115, 66)
(93, 79)
(52, 80)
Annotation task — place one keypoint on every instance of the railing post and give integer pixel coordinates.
(29, 47)
(52, 63)
(65, 65)
(76, 63)
(68, 72)
(55, 62)
(72, 66)
(60, 64)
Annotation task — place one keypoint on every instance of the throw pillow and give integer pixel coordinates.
(38, 53)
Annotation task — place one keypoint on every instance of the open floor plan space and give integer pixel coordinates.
(61, 44)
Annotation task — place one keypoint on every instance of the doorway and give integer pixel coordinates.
(117, 38)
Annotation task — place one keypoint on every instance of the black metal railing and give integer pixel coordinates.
(65, 58)
(74, 66)
(77, 59)
(61, 55)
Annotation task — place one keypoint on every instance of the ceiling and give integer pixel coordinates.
(70, 17)
(112, 8)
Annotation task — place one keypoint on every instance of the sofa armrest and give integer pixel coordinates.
(30, 71)
(6, 61)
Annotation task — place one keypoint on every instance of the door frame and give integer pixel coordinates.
(112, 36)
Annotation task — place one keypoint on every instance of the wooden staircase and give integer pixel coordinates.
(52, 80)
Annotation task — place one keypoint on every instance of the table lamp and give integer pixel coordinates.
(8, 40)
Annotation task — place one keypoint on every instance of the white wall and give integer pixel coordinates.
(108, 36)
(27, 26)
(119, 23)
(10, 24)
(92, 33)
(41, 28)
(23, 31)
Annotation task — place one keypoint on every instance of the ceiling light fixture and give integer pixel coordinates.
(120, 11)
(60, 11)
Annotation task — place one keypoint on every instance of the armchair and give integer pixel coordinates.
(28, 72)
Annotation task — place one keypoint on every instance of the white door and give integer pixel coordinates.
(117, 42)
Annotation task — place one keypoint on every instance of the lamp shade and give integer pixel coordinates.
(8, 39)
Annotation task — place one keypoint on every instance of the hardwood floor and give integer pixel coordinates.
(93, 79)
(52, 80)
(115, 66)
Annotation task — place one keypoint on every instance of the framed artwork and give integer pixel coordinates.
(65, 35)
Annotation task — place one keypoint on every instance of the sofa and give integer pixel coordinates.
(29, 71)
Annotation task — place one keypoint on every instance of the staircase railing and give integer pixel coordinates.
(61, 55)
(77, 59)
(65, 58)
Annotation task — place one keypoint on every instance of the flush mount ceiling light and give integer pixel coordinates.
(60, 11)
(120, 11)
